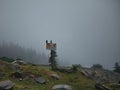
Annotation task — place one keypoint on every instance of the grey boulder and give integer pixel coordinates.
(62, 87)
(40, 80)
(55, 76)
(6, 85)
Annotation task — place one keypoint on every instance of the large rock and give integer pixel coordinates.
(85, 73)
(19, 62)
(40, 80)
(62, 87)
(6, 85)
(55, 76)
(101, 87)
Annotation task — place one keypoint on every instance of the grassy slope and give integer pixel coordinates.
(76, 80)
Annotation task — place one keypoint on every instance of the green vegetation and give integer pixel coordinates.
(117, 67)
(76, 80)
(75, 67)
(7, 59)
(99, 66)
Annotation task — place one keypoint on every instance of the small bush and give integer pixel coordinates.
(97, 66)
(117, 67)
(9, 60)
(75, 67)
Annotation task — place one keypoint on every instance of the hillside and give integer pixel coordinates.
(76, 80)
(29, 73)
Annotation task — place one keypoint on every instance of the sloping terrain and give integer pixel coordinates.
(25, 78)
(76, 80)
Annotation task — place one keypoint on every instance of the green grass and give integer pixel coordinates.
(76, 80)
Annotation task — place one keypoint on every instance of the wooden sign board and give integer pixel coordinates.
(51, 46)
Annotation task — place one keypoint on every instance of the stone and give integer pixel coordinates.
(40, 80)
(85, 73)
(31, 76)
(20, 79)
(61, 87)
(17, 75)
(55, 76)
(19, 62)
(6, 85)
(101, 87)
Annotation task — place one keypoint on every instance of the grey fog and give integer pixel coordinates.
(87, 32)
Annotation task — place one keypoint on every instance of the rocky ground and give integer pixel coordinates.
(32, 77)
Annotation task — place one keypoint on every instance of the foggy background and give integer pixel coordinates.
(86, 31)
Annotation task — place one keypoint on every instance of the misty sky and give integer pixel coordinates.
(86, 31)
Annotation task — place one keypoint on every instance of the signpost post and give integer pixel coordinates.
(52, 60)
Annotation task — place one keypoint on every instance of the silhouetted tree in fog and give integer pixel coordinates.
(99, 66)
(117, 67)
(15, 51)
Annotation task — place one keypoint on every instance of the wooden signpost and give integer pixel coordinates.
(52, 60)
(50, 46)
